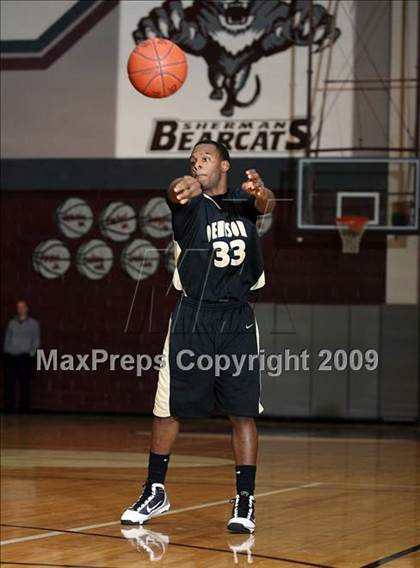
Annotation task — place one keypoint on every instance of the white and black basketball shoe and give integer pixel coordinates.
(243, 513)
(151, 503)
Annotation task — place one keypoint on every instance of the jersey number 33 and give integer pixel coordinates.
(232, 253)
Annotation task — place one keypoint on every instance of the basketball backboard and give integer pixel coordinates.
(384, 190)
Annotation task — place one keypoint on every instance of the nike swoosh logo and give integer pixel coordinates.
(149, 510)
(248, 326)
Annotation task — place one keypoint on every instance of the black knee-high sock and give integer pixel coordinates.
(245, 478)
(158, 466)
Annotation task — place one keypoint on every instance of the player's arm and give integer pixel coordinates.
(183, 189)
(264, 197)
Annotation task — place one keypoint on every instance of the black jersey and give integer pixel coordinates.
(217, 247)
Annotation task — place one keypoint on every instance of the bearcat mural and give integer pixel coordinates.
(231, 35)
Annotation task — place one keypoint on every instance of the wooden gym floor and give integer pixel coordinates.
(327, 495)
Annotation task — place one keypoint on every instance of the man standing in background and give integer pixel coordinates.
(22, 339)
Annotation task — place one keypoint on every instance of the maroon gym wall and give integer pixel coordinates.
(78, 314)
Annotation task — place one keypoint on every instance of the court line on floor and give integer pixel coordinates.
(254, 555)
(174, 512)
(197, 547)
(372, 486)
(391, 557)
(16, 563)
(333, 484)
(292, 437)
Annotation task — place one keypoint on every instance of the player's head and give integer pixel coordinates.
(209, 162)
(22, 308)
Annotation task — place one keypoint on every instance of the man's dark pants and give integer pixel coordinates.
(17, 382)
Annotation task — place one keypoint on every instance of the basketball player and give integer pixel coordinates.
(219, 262)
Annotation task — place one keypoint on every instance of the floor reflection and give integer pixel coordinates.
(152, 543)
(155, 544)
(242, 546)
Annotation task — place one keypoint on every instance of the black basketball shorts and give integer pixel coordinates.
(212, 364)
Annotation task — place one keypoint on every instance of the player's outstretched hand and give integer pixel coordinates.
(254, 184)
(186, 188)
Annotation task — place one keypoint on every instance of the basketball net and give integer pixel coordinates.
(351, 229)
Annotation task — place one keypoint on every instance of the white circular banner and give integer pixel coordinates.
(51, 259)
(155, 218)
(74, 218)
(140, 259)
(170, 257)
(94, 259)
(118, 221)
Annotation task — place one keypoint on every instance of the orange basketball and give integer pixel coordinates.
(157, 68)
